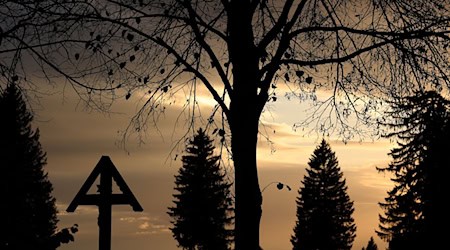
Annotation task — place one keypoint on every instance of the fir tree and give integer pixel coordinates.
(371, 245)
(324, 209)
(27, 206)
(203, 205)
(414, 210)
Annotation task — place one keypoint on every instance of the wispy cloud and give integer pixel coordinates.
(146, 225)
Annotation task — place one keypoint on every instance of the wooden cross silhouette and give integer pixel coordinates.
(105, 198)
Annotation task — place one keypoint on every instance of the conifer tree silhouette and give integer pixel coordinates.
(203, 204)
(324, 209)
(415, 209)
(27, 205)
(371, 245)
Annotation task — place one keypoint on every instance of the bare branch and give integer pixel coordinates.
(200, 38)
(360, 51)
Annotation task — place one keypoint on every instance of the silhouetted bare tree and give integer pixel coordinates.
(243, 52)
(324, 209)
(203, 210)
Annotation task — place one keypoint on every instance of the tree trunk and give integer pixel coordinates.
(245, 111)
(248, 197)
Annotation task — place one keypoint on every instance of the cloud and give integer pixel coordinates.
(85, 210)
(146, 225)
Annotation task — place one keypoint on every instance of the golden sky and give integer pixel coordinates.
(75, 139)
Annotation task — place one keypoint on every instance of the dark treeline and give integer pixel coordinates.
(202, 215)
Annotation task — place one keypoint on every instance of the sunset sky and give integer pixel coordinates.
(75, 139)
(164, 53)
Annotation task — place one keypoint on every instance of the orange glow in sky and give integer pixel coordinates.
(75, 140)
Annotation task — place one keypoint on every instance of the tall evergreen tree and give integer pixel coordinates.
(414, 210)
(203, 205)
(371, 245)
(324, 209)
(27, 205)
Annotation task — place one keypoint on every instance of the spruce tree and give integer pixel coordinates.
(27, 205)
(324, 209)
(203, 205)
(415, 208)
(371, 245)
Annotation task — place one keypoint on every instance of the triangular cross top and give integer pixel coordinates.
(106, 169)
(104, 199)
